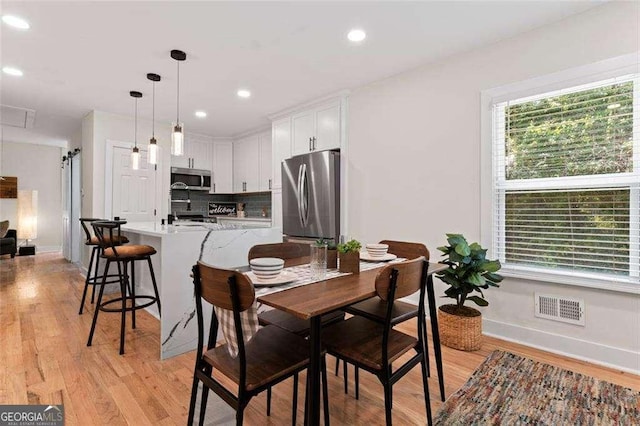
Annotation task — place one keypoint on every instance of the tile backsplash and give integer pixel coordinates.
(254, 202)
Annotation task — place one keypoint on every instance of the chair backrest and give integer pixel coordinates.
(108, 233)
(84, 221)
(409, 277)
(406, 249)
(286, 251)
(215, 287)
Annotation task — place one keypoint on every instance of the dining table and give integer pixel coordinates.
(311, 301)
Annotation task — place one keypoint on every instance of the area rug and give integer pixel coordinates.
(508, 389)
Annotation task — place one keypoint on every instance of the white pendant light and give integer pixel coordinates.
(153, 143)
(135, 154)
(177, 130)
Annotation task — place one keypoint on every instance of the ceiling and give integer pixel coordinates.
(81, 56)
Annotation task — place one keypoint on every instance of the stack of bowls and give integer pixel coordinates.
(377, 250)
(266, 268)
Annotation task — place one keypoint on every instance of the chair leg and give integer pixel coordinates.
(239, 416)
(269, 401)
(86, 281)
(123, 315)
(133, 295)
(425, 345)
(425, 385)
(294, 403)
(387, 402)
(205, 396)
(97, 271)
(325, 391)
(97, 308)
(155, 286)
(357, 377)
(194, 395)
(345, 373)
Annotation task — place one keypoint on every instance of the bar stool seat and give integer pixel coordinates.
(108, 234)
(93, 278)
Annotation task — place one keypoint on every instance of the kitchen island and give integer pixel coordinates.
(179, 247)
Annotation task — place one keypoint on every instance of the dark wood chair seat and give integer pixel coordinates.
(294, 324)
(375, 309)
(272, 354)
(129, 252)
(358, 340)
(119, 239)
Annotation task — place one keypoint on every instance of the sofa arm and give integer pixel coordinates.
(11, 233)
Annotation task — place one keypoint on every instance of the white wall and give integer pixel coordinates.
(414, 170)
(38, 168)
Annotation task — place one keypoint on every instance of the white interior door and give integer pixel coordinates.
(133, 190)
(76, 207)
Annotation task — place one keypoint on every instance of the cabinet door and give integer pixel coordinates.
(222, 168)
(303, 125)
(266, 174)
(200, 153)
(184, 160)
(252, 163)
(276, 208)
(327, 127)
(239, 163)
(281, 149)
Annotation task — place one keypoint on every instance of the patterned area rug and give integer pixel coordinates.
(511, 390)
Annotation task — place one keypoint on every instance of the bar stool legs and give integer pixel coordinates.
(127, 292)
(89, 279)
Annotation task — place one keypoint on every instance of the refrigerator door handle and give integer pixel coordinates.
(299, 195)
(305, 196)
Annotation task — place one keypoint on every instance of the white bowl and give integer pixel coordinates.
(266, 267)
(377, 250)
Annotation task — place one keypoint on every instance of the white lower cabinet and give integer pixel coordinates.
(276, 208)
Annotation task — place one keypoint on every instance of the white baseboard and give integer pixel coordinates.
(608, 356)
(47, 249)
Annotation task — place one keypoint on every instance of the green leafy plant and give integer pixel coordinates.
(320, 242)
(350, 247)
(469, 271)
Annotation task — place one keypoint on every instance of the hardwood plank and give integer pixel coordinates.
(98, 386)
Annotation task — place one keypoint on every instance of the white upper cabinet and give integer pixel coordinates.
(317, 129)
(197, 153)
(281, 149)
(246, 164)
(222, 168)
(266, 175)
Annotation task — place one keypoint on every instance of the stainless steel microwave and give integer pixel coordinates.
(195, 179)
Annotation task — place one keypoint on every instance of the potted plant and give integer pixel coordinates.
(469, 272)
(332, 255)
(349, 256)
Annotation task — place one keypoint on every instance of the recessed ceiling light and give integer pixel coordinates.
(244, 93)
(613, 106)
(356, 36)
(12, 71)
(201, 114)
(15, 22)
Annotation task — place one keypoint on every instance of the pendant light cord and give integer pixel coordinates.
(135, 127)
(178, 97)
(153, 114)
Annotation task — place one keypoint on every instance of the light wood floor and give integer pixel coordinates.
(44, 360)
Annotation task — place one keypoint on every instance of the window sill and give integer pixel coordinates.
(573, 279)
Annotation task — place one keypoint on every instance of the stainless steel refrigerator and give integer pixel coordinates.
(311, 195)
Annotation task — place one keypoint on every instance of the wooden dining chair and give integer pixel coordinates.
(373, 344)
(376, 308)
(269, 357)
(293, 254)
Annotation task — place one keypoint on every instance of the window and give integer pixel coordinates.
(566, 181)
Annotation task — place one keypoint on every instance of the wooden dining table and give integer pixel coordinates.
(313, 300)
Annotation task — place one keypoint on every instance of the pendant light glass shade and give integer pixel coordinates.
(153, 143)
(135, 153)
(153, 151)
(135, 158)
(177, 139)
(177, 129)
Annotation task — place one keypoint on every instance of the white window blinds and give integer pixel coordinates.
(567, 180)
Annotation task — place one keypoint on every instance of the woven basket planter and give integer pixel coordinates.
(349, 262)
(463, 332)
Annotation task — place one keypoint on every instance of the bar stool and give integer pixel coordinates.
(96, 251)
(122, 256)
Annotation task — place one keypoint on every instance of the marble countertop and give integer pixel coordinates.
(253, 219)
(157, 230)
